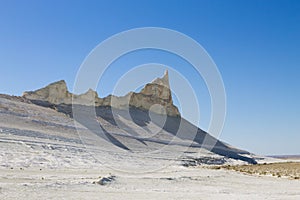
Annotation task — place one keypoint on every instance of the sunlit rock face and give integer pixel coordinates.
(155, 96)
(157, 92)
(55, 93)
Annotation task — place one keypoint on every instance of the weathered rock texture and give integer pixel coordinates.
(55, 93)
(155, 96)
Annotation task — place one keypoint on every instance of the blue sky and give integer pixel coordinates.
(255, 44)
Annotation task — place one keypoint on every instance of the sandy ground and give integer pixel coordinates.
(171, 183)
(285, 169)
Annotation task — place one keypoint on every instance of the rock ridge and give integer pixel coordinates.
(155, 96)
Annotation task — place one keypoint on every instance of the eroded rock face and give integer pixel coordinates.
(55, 93)
(88, 98)
(155, 96)
(156, 93)
(159, 88)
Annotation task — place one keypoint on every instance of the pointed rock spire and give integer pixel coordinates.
(164, 81)
(156, 92)
(159, 88)
(166, 77)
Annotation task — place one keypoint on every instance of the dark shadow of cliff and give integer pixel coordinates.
(84, 117)
(184, 130)
(176, 126)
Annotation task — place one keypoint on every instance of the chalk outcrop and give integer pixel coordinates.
(55, 93)
(155, 96)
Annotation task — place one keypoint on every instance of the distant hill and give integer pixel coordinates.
(287, 157)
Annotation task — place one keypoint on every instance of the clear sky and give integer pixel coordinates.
(254, 43)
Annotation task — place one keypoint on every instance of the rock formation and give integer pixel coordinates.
(155, 96)
(55, 93)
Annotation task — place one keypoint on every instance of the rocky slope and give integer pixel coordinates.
(147, 117)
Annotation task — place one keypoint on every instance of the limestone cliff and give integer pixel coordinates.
(55, 93)
(155, 96)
